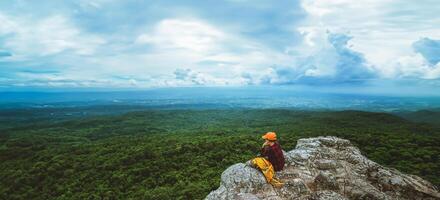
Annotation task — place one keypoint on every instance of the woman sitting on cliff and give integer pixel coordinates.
(271, 159)
(272, 151)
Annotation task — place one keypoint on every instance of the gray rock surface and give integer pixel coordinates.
(324, 168)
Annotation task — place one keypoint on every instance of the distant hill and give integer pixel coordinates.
(431, 116)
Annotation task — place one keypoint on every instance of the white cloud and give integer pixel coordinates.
(47, 36)
(78, 80)
(189, 35)
(332, 61)
(415, 66)
(7, 25)
(213, 50)
(429, 49)
(433, 73)
(190, 77)
(203, 47)
(383, 30)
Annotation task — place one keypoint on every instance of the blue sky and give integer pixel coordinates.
(144, 44)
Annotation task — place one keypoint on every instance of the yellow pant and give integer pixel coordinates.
(267, 169)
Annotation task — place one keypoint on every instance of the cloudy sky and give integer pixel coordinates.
(144, 44)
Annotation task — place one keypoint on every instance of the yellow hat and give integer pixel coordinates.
(270, 136)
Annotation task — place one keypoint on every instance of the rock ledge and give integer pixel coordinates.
(324, 168)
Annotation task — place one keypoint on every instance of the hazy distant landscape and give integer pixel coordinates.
(27, 107)
(227, 97)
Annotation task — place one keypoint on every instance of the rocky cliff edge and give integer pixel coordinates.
(324, 168)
